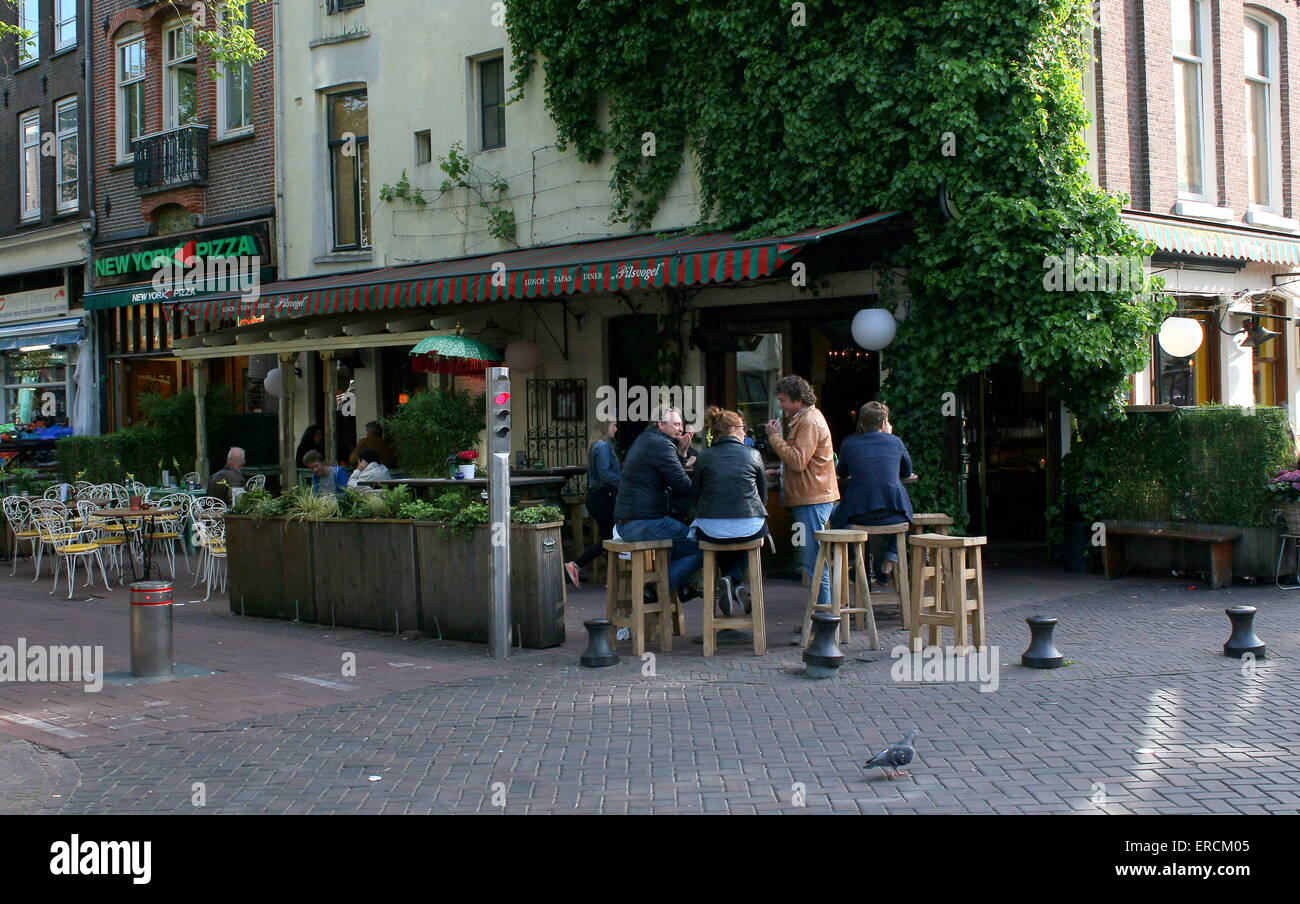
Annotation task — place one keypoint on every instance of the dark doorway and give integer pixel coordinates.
(634, 357)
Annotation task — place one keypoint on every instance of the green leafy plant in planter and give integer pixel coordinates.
(434, 425)
(23, 480)
(536, 514)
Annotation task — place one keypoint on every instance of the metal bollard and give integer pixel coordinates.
(151, 629)
(600, 644)
(823, 658)
(1042, 652)
(1243, 639)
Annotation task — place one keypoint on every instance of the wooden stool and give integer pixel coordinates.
(833, 552)
(938, 521)
(939, 589)
(755, 621)
(625, 603)
(901, 593)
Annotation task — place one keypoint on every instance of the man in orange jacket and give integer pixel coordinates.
(809, 486)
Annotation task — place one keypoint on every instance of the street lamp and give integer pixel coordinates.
(1180, 337)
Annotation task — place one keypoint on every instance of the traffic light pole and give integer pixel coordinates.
(498, 398)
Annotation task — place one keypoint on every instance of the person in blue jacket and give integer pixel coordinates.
(603, 474)
(874, 462)
(326, 479)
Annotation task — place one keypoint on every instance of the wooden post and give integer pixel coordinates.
(201, 419)
(331, 406)
(289, 381)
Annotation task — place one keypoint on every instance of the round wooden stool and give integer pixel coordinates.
(625, 605)
(833, 553)
(900, 594)
(756, 620)
(942, 570)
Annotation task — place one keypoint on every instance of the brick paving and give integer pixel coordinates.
(1147, 718)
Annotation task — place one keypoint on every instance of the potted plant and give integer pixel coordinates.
(466, 464)
(1285, 486)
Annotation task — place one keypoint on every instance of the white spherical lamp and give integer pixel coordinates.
(523, 355)
(874, 328)
(1180, 337)
(273, 382)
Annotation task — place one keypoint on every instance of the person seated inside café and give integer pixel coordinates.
(374, 439)
(729, 489)
(230, 477)
(874, 463)
(370, 468)
(326, 478)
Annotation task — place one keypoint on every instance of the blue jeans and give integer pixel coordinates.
(813, 518)
(685, 558)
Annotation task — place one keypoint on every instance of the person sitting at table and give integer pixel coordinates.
(374, 439)
(874, 462)
(653, 475)
(313, 440)
(602, 488)
(326, 479)
(729, 489)
(369, 468)
(230, 477)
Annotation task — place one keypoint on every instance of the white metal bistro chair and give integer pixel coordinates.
(204, 510)
(110, 533)
(18, 514)
(212, 541)
(71, 545)
(256, 482)
(181, 501)
(45, 508)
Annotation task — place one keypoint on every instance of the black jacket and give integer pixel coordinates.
(652, 473)
(729, 481)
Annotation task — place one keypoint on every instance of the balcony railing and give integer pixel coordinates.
(173, 158)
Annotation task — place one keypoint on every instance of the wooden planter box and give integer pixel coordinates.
(366, 574)
(456, 584)
(270, 567)
(1254, 555)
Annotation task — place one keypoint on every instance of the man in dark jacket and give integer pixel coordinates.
(653, 474)
(874, 462)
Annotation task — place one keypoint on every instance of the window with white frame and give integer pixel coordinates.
(349, 150)
(36, 385)
(235, 94)
(130, 92)
(29, 164)
(29, 19)
(65, 23)
(1191, 59)
(1263, 150)
(67, 160)
(180, 76)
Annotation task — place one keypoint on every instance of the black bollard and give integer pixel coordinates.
(600, 644)
(823, 658)
(1243, 639)
(1042, 652)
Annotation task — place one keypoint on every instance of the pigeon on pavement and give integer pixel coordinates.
(893, 756)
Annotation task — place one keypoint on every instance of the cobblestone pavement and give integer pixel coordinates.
(1147, 718)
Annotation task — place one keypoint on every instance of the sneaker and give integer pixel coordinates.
(725, 598)
(651, 595)
(885, 578)
(688, 593)
(742, 597)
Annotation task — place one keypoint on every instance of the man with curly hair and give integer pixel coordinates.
(808, 483)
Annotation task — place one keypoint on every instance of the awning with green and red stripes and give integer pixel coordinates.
(606, 265)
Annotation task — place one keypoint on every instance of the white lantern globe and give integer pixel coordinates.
(874, 328)
(1180, 337)
(523, 355)
(273, 382)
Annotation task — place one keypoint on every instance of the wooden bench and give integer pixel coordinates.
(1220, 541)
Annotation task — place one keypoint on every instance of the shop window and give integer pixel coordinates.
(1188, 381)
(349, 149)
(1268, 366)
(756, 374)
(36, 385)
(68, 154)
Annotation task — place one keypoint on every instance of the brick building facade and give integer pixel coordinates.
(44, 217)
(184, 159)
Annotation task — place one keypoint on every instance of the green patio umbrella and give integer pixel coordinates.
(455, 354)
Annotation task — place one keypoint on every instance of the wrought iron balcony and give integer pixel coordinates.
(172, 158)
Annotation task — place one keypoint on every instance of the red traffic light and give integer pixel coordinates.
(501, 398)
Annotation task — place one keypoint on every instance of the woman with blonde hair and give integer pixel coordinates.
(729, 489)
(602, 487)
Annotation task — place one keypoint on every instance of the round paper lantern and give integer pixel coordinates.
(874, 328)
(273, 382)
(523, 355)
(1180, 337)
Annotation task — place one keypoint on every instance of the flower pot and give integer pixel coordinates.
(1291, 511)
(466, 471)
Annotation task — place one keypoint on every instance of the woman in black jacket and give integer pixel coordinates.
(313, 440)
(729, 489)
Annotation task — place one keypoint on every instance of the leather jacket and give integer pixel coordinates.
(729, 481)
